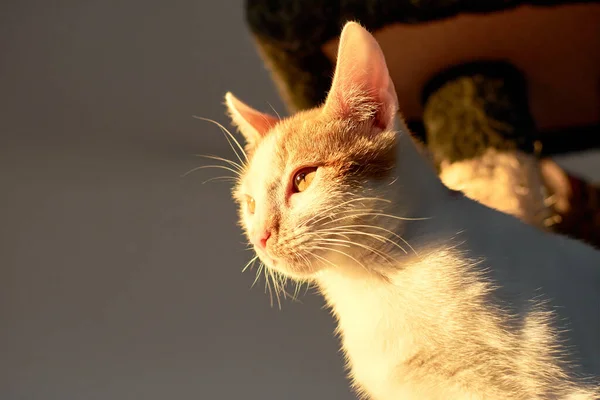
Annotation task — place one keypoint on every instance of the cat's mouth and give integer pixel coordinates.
(292, 268)
(266, 258)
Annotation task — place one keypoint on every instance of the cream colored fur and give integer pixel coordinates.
(436, 295)
(475, 315)
(508, 181)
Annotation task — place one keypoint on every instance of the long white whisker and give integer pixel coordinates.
(274, 110)
(261, 266)
(297, 290)
(237, 166)
(225, 131)
(344, 254)
(343, 204)
(321, 258)
(210, 166)
(373, 227)
(250, 264)
(376, 214)
(221, 178)
(371, 249)
(380, 238)
(276, 288)
(268, 285)
(321, 240)
(328, 213)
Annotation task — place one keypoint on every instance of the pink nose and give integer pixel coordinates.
(261, 239)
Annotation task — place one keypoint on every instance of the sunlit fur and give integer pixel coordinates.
(509, 181)
(436, 296)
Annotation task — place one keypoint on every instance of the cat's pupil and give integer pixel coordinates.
(303, 178)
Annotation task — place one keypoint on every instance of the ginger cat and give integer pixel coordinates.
(436, 296)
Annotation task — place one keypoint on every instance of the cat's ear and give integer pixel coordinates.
(362, 88)
(252, 123)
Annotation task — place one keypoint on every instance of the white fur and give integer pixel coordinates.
(448, 309)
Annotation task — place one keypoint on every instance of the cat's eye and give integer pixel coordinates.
(303, 178)
(250, 204)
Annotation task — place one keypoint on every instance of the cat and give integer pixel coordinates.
(436, 295)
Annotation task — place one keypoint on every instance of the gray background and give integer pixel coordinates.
(119, 279)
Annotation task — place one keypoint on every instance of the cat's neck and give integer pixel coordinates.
(444, 220)
(416, 194)
(439, 301)
(447, 221)
(417, 188)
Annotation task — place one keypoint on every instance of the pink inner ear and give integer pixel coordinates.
(260, 122)
(362, 87)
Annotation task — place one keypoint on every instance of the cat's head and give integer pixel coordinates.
(312, 180)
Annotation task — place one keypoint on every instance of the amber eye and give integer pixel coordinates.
(250, 204)
(303, 178)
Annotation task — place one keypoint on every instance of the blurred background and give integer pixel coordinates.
(119, 278)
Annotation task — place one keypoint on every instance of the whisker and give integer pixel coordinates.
(329, 214)
(321, 258)
(380, 238)
(374, 227)
(210, 166)
(280, 281)
(268, 285)
(329, 209)
(344, 254)
(369, 248)
(239, 167)
(258, 272)
(375, 214)
(327, 239)
(274, 110)
(250, 263)
(221, 178)
(225, 131)
(343, 204)
(297, 290)
(307, 287)
(402, 218)
(269, 275)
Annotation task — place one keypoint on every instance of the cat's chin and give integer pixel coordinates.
(292, 270)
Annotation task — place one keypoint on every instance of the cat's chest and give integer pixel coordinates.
(385, 354)
(392, 332)
(376, 346)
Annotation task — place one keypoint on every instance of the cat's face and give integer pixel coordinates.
(312, 179)
(308, 183)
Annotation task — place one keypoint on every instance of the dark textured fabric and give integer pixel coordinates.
(570, 140)
(553, 142)
(476, 106)
(582, 220)
(472, 107)
(291, 32)
(310, 23)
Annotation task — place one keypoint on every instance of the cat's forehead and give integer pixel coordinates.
(283, 149)
(266, 166)
(292, 141)
(267, 156)
(303, 138)
(310, 139)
